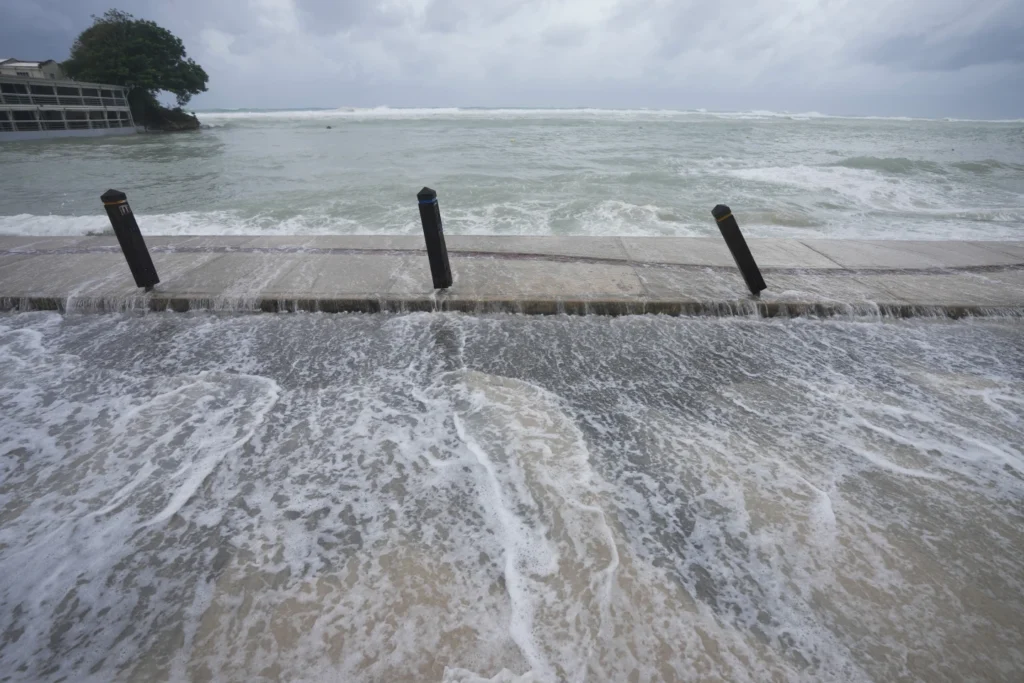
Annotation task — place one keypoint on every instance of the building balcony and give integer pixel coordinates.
(51, 100)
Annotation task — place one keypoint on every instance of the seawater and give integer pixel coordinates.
(533, 172)
(439, 497)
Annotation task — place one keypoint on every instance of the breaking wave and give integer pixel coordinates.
(222, 117)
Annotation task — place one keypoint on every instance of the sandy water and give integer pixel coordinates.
(439, 497)
(533, 172)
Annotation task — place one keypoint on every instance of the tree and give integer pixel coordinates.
(121, 50)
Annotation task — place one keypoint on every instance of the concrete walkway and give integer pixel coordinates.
(605, 275)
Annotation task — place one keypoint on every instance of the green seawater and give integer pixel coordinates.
(532, 172)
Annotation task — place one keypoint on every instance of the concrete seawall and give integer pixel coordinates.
(536, 275)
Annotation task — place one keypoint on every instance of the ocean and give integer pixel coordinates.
(533, 172)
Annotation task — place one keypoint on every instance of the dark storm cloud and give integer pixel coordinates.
(39, 30)
(995, 44)
(46, 29)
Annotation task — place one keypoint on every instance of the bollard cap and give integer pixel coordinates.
(426, 194)
(113, 196)
(720, 212)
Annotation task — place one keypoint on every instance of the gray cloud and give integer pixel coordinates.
(444, 16)
(994, 44)
(333, 16)
(566, 35)
(962, 57)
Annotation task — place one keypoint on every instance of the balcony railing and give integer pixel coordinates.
(63, 100)
(11, 126)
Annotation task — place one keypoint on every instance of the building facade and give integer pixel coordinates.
(33, 107)
(49, 69)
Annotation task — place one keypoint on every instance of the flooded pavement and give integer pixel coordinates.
(313, 497)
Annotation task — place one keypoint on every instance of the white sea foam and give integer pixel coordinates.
(510, 499)
(870, 190)
(605, 217)
(214, 118)
(188, 223)
(862, 188)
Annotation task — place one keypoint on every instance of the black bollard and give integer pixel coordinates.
(738, 246)
(437, 252)
(127, 230)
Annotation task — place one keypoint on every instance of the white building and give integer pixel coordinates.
(16, 67)
(37, 101)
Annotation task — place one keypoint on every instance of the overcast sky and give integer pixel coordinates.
(960, 58)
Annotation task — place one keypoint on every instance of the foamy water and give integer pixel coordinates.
(533, 172)
(439, 497)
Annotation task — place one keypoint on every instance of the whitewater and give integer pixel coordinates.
(439, 497)
(533, 172)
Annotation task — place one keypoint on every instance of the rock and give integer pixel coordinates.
(171, 120)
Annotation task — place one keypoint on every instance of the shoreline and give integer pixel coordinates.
(529, 275)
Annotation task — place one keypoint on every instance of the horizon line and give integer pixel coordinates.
(762, 113)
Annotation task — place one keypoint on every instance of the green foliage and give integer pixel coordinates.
(121, 50)
(146, 110)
